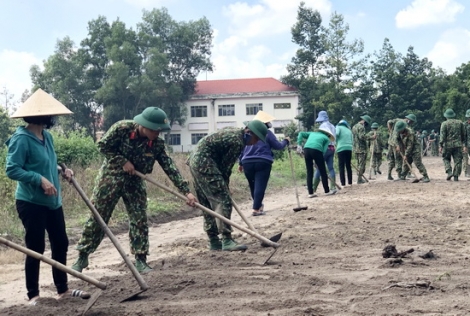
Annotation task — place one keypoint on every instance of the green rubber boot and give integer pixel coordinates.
(228, 244)
(390, 175)
(214, 243)
(316, 182)
(141, 264)
(425, 179)
(81, 263)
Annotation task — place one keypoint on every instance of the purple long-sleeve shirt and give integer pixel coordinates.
(262, 150)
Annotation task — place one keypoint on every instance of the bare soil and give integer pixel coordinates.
(330, 261)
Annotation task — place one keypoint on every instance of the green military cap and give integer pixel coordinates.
(400, 126)
(449, 113)
(411, 117)
(374, 125)
(425, 131)
(258, 128)
(153, 118)
(366, 118)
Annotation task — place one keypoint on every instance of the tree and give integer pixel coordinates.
(7, 100)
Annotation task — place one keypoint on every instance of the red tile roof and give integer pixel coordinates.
(229, 86)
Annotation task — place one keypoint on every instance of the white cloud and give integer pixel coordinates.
(425, 12)
(14, 71)
(148, 4)
(268, 17)
(452, 49)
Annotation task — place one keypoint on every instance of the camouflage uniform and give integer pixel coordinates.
(360, 148)
(465, 155)
(211, 165)
(394, 157)
(411, 145)
(378, 150)
(120, 144)
(434, 144)
(453, 137)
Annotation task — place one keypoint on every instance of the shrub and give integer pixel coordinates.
(75, 148)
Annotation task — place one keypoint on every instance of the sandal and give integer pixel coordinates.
(74, 293)
(258, 213)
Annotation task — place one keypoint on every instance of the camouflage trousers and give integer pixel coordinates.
(434, 149)
(452, 153)
(416, 158)
(106, 194)
(394, 160)
(212, 191)
(376, 161)
(465, 162)
(361, 164)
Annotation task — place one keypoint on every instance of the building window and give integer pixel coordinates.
(226, 109)
(253, 108)
(173, 139)
(195, 138)
(282, 105)
(279, 130)
(199, 111)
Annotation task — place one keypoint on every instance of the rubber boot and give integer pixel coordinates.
(425, 179)
(390, 175)
(81, 263)
(141, 264)
(449, 175)
(214, 243)
(228, 244)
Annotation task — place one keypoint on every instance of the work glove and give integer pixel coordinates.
(300, 150)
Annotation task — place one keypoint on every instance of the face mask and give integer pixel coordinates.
(246, 138)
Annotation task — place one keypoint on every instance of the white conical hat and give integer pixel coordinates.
(264, 117)
(41, 104)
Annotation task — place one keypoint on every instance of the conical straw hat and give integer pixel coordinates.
(41, 104)
(263, 117)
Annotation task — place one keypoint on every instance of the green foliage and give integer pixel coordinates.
(75, 148)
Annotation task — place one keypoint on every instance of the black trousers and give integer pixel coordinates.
(38, 219)
(344, 160)
(311, 156)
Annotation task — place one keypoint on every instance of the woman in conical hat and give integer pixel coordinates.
(32, 162)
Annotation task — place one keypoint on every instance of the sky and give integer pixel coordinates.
(252, 38)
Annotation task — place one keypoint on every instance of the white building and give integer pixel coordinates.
(221, 103)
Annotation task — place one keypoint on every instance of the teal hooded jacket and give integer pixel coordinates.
(28, 159)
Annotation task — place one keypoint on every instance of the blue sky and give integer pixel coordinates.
(251, 37)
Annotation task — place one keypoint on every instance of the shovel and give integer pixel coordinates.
(298, 208)
(205, 209)
(94, 297)
(364, 177)
(416, 179)
(274, 238)
(371, 158)
(143, 286)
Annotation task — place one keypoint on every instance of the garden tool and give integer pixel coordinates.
(205, 209)
(416, 179)
(143, 286)
(274, 238)
(364, 177)
(100, 285)
(298, 208)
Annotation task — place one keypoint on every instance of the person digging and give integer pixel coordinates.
(129, 146)
(211, 165)
(412, 150)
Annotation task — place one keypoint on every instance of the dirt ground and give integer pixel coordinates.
(330, 261)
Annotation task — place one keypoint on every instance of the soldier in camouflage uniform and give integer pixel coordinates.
(453, 138)
(433, 143)
(411, 150)
(465, 154)
(211, 165)
(378, 146)
(129, 145)
(394, 149)
(360, 145)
